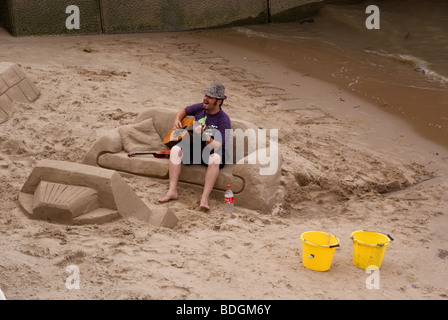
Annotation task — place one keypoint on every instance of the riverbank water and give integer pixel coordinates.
(401, 67)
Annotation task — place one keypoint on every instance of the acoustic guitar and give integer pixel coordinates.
(174, 136)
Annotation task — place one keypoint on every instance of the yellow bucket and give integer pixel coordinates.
(318, 249)
(369, 248)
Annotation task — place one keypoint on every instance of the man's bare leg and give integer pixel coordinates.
(175, 167)
(210, 178)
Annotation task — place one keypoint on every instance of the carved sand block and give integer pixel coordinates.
(59, 201)
(73, 193)
(14, 87)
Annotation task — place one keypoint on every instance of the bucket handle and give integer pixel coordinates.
(382, 244)
(334, 246)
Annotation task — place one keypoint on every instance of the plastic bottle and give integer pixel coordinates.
(2, 296)
(228, 200)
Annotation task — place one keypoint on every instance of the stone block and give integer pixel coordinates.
(33, 86)
(9, 74)
(3, 116)
(28, 89)
(14, 86)
(3, 86)
(15, 93)
(17, 70)
(6, 103)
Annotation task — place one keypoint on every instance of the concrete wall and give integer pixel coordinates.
(5, 19)
(41, 17)
(296, 10)
(169, 15)
(344, 1)
(293, 10)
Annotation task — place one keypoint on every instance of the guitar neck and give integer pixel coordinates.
(136, 153)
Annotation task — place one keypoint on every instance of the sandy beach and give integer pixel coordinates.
(347, 165)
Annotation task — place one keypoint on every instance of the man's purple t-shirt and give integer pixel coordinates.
(219, 121)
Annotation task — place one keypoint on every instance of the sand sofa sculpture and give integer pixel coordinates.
(14, 87)
(252, 189)
(74, 193)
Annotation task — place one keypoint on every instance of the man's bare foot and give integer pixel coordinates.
(204, 205)
(170, 195)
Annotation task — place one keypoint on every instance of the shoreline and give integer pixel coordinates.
(338, 176)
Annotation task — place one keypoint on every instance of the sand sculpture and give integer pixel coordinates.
(14, 87)
(74, 193)
(66, 192)
(94, 192)
(252, 190)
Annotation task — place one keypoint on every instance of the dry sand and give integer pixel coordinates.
(346, 166)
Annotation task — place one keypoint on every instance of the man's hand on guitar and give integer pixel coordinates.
(178, 131)
(177, 124)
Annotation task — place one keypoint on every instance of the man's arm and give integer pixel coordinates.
(180, 115)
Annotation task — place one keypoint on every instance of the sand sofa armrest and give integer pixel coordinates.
(260, 190)
(109, 143)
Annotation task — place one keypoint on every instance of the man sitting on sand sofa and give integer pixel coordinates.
(255, 183)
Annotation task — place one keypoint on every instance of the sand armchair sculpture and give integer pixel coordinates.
(253, 189)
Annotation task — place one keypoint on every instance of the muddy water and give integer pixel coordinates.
(402, 67)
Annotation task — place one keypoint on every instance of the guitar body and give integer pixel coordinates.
(173, 137)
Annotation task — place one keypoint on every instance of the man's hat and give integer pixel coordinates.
(216, 91)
